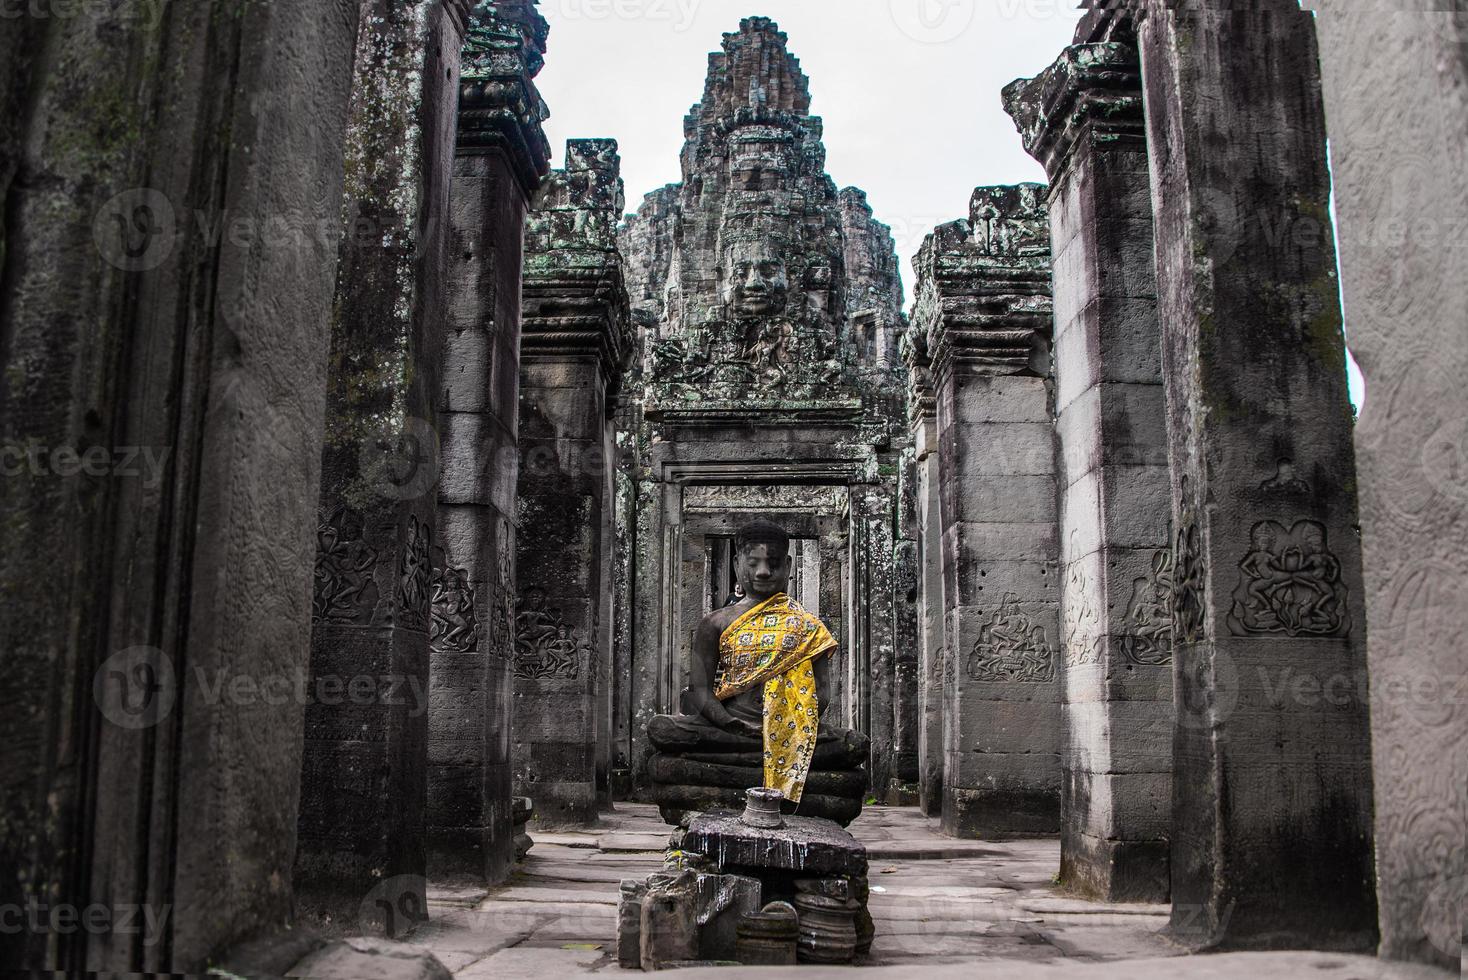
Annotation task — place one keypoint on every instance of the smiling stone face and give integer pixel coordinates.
(755, 280)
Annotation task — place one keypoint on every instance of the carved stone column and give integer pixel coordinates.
(576, 340)
(1083, 120)
(984, 303)
(501, 158)
(923, 417)
(1395, 92)
(363, 778)
(1272, 796)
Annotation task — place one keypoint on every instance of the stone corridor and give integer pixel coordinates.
(943, 907)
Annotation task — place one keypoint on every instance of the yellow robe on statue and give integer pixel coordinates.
(776, 644)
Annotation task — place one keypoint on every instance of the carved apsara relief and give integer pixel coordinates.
(1012, 648)
(1084, 644)
(413, 578)
(546, 647)
(1290, 584)
(502, 615)
(344, 590)
(1188, 578)
(1148, 638)
(455, 626)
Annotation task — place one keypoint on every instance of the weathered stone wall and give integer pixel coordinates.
(575, 341)
(1272, 795)
(1082, 119)
(984, 305)
(1395, 84)
(501, 157)
(364, 776)
(149, 594)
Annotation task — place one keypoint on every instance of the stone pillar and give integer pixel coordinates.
(1272, 797)
(1395, 87)
(575, 343)
(501, 158)
(161, 398)
(364, 773)
(907, 643)
(923, 417)
(1083, 120)
(984, 303)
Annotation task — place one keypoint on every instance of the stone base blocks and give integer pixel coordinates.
(984, 305)
(723, 870)
(1082, 118)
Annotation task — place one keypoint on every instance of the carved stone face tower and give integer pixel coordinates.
(742, 272)
(769, 311)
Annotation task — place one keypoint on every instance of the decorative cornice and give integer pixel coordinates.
(500, 108)
(922, 401)
(1091, 96)
(574, 294)
(984, 287)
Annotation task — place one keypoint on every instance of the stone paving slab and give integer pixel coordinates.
(992, 913)
(1218, 966)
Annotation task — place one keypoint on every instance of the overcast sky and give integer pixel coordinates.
(909, 90)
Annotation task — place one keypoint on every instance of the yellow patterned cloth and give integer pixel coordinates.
(776, 644)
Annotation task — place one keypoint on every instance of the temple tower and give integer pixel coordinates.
(768, 315)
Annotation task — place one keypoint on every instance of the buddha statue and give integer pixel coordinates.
(759, 674)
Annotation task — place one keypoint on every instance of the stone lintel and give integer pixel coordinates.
(1091, 95)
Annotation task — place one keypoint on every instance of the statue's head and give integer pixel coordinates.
(754, 278)
(762, 559)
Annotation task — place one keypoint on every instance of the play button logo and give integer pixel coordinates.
(933, 21)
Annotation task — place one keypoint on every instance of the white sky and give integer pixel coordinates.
(908, 89)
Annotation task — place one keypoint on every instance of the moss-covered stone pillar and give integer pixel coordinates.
(574, 347)
(364, 778)
(501, 158)
(1082, 119)
(1272, 795)
(984, 303)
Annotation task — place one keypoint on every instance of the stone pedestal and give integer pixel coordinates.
(984, 303)
(165, 393)
(1272, 796)
(574, 345)
(1083, 120)
(363, 777)
(500, 159)
(1395, 89)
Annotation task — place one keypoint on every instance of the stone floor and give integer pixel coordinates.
(941, 906)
